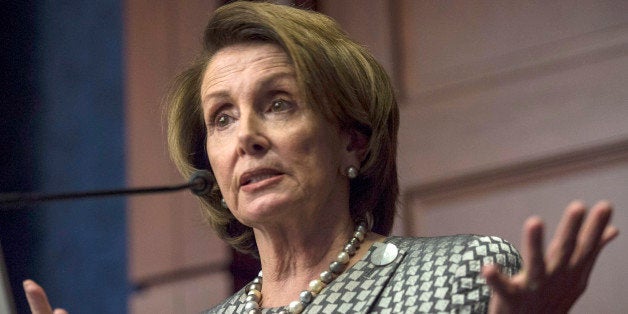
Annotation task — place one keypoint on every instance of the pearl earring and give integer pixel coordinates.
(352, 172)
(223, 203)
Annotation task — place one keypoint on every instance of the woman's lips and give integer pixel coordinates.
(252, 180)
(258, 178)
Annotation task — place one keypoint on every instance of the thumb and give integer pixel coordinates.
(37, 299)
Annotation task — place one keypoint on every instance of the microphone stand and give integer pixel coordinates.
(201, 183)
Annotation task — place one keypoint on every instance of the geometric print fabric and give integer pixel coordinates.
(429, 275)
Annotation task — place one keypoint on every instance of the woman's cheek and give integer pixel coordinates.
(222, 175)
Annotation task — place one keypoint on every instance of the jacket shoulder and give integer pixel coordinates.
(476, 250)
(443, 274)
(232, 304)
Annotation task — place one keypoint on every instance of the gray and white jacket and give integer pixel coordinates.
(414, 275)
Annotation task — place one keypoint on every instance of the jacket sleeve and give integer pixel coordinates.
(470, 293)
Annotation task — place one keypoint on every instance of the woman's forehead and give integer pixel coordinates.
(257, 59)
(244, 54)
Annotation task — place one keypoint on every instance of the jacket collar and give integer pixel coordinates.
(358, 288)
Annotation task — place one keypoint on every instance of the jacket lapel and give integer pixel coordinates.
(356, 290)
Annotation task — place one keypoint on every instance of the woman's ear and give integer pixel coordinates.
(357, 144)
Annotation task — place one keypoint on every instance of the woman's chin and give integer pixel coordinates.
(263, 210)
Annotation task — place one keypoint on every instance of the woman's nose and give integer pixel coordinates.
(251, 137)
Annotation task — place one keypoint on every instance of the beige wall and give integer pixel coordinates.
(508, 109)
(167, 237)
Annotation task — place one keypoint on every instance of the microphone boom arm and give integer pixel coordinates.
(200, 184)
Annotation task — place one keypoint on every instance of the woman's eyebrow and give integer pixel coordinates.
(266, 82)
(214, 94)
(278, 77)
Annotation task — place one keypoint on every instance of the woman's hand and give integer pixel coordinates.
(37, 299)
(552, 282)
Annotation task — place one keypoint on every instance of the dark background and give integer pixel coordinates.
(62, 129)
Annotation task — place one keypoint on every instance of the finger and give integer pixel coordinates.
(60, 311)
(500, 283)
(564, 242)
(534, 263)
(609, 235)
(37, 299)
(591, 233)
(595, 235)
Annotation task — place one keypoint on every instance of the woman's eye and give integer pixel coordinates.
(279, 105)
(222, 120)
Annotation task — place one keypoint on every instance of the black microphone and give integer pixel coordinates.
(201, 183)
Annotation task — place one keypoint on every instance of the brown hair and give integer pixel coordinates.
(341, 80)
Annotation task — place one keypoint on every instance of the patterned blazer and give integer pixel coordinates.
(410, 275)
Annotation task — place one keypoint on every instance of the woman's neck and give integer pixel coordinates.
(292, 257)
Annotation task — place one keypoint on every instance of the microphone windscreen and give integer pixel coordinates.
(202, 182)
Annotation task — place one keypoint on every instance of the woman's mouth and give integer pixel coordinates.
(259, 178)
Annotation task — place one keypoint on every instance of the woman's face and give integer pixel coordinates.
(274, 158)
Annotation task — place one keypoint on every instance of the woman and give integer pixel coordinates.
(298, 124)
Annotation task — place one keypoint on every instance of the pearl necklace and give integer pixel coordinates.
(254, 290)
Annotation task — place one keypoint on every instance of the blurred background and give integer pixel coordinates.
(62, 127)
(509, 109)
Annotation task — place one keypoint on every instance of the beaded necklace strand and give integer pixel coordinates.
(254, 290)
